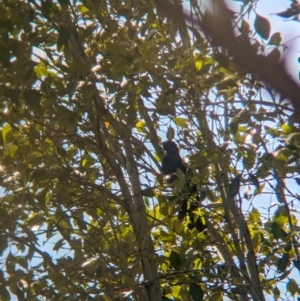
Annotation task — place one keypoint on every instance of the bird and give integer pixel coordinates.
(171, 162)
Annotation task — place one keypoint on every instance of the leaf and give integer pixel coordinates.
(274, 55)
(166, 236)
(283, 262)
(245, 28)
(223, 60)
(254, 180)
(254, 215)
(3, 246)
(281, 216)
(292, 287)
(4, 293)
(196, 292)
(297, 264)
(7, 134)
(148, 192)
(175, 260)
(216, 296)
(290, 12)
(281, 220)
(33, 98)
(288, 247)
(262, 26)
(13, 151)
(38, 174)
(276, 230)
(181, 122)
(199, 64)
(13, 95)
(41, 70)
(140, 126)
(275, 39)
(255, 240)
(286, 128)
(234, 187)
(63, 38)
(200, 224)
(249, 158)
(276, 293)
(5, 56)
(170, 133)
(233, 126)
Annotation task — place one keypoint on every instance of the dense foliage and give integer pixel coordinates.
(88, 91)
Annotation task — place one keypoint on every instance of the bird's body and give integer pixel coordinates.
(171, 162)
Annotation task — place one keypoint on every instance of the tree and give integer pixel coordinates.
(89, 90)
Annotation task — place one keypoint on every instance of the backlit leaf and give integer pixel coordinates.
(196, 292)
(7, 134)
(262, 26)
(175, 260)
(234, 187)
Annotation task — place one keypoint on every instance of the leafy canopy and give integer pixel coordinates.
(88, 90)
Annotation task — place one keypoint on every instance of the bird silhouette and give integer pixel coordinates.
(171, 162)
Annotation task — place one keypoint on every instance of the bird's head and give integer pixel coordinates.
(170, 146)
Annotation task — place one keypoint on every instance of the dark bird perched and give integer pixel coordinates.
(172, 160)
(170, 163)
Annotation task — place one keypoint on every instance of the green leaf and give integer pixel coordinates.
(276, 293)
(281, 220)
(262, 26)
(292, 287)
(167, 237)
(41, 70)
(147, 192)
(234, 186)
(249, 159)
(254, 180)
(281, 216)
(297, 264)
(63, 38)
(283, 262)
(181, 122)
(3, 244)
(4, 293)
(254, 215)
(276, 230)
(175, 260)
(255, 239)
(58, 244)
(13, 151)
(33, 98)
(140, 126)
(233, 126)
(13, 95)
(216, 296)
(199, 64)
(38, 174)
(196, 292)
(5, 56)
(7, 134)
